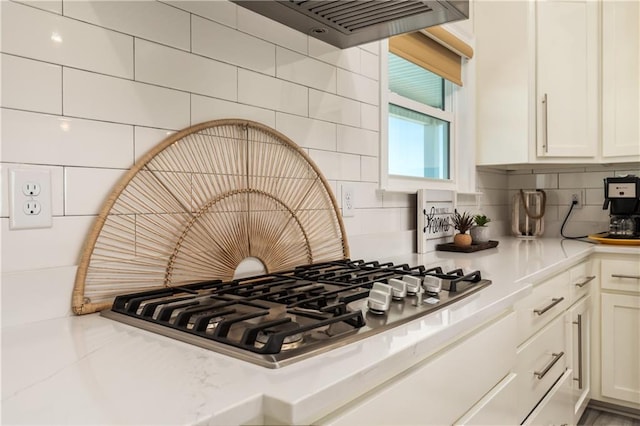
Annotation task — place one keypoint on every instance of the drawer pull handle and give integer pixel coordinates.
(631, 277)
(541, 374)
(579, 324)
(553, 303)
(586, 281)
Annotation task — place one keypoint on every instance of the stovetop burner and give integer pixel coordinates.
(276, 319)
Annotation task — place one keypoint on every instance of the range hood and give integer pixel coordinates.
(346, 23)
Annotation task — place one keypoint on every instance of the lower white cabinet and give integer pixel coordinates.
(498, 407)
(616, 331)
(621, 347)
(540, 361)
(579, 325)
(443, 387)
(555, 407)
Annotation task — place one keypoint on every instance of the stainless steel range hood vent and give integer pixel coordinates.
(346, 23)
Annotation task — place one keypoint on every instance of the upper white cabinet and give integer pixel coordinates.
(620, 79)
(566, 78)
(537, 74)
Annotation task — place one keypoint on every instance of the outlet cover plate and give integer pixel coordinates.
(348, 201)
(21, 217)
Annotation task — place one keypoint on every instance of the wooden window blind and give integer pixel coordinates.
(434, 49)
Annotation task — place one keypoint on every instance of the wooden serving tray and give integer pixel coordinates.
(470, 249)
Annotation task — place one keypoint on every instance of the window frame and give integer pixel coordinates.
(399, 183)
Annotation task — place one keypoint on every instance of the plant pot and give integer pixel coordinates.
(462, 240)
(479, 234)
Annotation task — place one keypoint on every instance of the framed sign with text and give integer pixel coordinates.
(434, 225)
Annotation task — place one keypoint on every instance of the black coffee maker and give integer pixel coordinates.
(622, 197)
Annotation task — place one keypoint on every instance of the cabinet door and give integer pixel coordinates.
(579, 317)
(620, 78)
(567, 90)
(621, 347)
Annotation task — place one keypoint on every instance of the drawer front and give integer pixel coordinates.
(498, 407)
(621, 274)
(453, 381)
(555, 408)
(582, 279)
(539, 363)
(545, 302)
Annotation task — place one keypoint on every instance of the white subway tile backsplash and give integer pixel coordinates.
(337, 166)
(151, 20)
(48, 139)
(329, 107)
(48, 37)
(348, 59)
(206, 109)
(306, 132)
(99, 97)
(531, 181)
(301, 69)
(370, 169)
(582, 180)
(146, 138)
(87, 189)
(52, 247)
(490, 179)
(392, 199)
(268, 92)
(594, 196)
(224, 44)
(223, 12)
(358, 141)
(370, 117)
(370, 65)
(54, 6)
(180, 70)
(366, 195)
(358, 87)
(31, 85)
(251, 23)
(57, 185)
(47, 290)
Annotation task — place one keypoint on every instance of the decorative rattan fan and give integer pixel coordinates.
(201, 202)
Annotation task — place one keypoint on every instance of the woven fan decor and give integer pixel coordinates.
(201, 202)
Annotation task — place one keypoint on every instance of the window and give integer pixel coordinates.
(426, 113)
(419, 125)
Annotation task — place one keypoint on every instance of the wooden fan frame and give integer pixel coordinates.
(81, 304)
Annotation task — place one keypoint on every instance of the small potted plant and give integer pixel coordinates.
(462, 222)
(480, 232)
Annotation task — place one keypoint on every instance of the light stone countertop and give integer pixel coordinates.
(92, 370)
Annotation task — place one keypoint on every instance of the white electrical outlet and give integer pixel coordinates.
(29, 199)
(348, 201)
(577, 199)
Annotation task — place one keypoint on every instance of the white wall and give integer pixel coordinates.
(88, 87)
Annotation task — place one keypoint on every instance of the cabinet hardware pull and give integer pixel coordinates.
(579, 324)
(586, 281)
(545, 104)
(553, 303)
(541, 374)
(631, 277)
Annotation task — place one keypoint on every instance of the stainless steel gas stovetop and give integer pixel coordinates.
(276, 319)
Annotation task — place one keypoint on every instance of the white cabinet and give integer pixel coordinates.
(621, 80)
(442, 388)
(554, 330)
(616, 332)
(566, 71)
(537, 74)
(621, 347)
(555, 408)
(579, 322)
